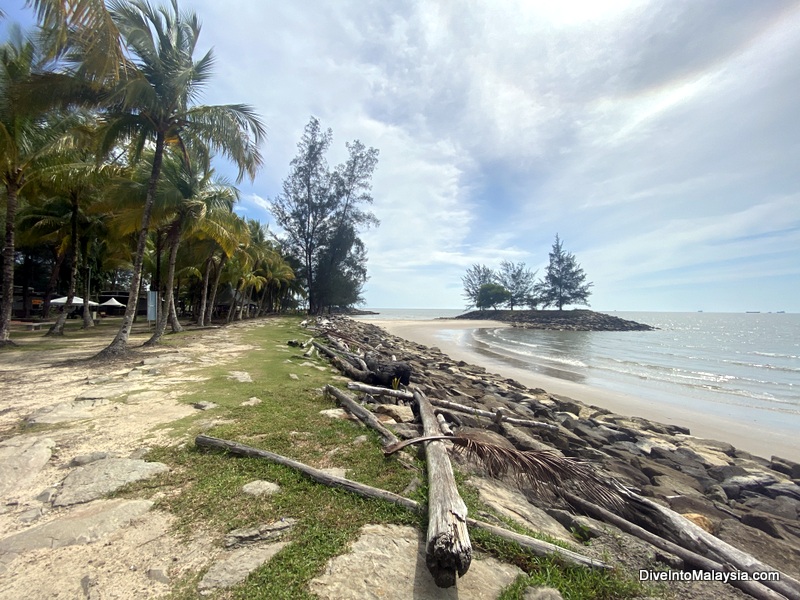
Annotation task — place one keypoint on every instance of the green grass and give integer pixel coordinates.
(203, 488)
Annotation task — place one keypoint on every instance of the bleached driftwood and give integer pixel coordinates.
(537, 547)
(363, 414)
(498, 416)
(375, 390)
(753, 588)
(448, 548)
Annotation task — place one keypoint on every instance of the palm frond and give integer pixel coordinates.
(546, 474)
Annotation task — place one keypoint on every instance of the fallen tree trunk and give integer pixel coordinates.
(753, 588)
(537, 547)
(692, 537)
(387, 437)
(344, 366)
(372, 389)
(448, 549)
(498, 415)
(386, 373)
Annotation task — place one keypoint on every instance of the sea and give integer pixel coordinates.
(716, 363)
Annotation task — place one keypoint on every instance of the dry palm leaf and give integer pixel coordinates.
(546, 474)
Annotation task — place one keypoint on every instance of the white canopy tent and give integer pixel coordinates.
(113, 302)
(76, 301)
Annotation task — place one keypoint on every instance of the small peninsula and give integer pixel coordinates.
(558, 320)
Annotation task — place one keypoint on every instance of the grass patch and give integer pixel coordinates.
(203, 489)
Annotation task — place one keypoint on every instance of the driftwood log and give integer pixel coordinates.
(448, 549)
(537, 547)
(690, 536)
(498, 416)
(753, 588)
(374, 390)
(369, 369)
(366, 416)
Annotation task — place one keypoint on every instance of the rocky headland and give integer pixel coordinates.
(558, 320)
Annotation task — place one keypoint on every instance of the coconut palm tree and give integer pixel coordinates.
(153, 103)
(26, 139)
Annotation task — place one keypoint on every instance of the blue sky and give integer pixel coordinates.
(660, 140)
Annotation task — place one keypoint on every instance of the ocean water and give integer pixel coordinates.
(714, 362)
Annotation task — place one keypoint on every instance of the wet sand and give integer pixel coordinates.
(746, 436)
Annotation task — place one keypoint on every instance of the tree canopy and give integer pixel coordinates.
(322, 211)
(564, 282)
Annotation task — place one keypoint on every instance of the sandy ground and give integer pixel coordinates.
(746, 436)
(140, 397)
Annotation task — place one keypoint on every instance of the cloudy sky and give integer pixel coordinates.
(660, 140)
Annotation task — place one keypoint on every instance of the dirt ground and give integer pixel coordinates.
(128, 401)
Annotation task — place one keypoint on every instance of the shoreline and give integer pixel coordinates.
(750, 437)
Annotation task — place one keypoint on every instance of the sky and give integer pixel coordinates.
(659, 140)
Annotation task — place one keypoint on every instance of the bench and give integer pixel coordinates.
(37, 326)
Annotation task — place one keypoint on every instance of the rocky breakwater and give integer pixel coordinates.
(558, 320)
(750, 502)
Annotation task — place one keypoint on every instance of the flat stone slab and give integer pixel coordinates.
(66, 411)
(388, 562)
(234, 567)
(21, 458)
(401, 414)
(252, 401)
(83, 527)
(261, 488)
(103, 477)
(240, 376)
(269, 532)
(512, 504)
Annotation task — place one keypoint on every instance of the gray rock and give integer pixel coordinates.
(261, 488)
(782, 506)
(240, 376)
(785, 466)
(205, 405)
(512, 504)
(234, 567)
(388, 562)
(336, 413)
(269, 532)
(21, 458)
(776, 553)
(362, 439)
(102, 477)
(159, 574)
(783, 489)
(60, 413)
(30, 515)
(401, 414)
(82, 527)
(85, 459)
(252, 402)
(293, 376)
(46, 495)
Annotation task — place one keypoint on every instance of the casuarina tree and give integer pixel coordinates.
(564, 282)
(475, 278)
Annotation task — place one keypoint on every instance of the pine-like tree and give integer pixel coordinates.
(564, 281)
(476, 277)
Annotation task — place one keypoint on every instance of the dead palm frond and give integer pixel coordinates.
(546, 474)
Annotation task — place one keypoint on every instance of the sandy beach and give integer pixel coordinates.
(743, 435)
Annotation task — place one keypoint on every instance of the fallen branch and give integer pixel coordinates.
(690, 536)
(344, 366)
(499, 416)
(363, 414)
(537, 547)
(372, 389)
(753, 588)
(448, 549)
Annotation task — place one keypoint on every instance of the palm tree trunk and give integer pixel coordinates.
(7, 308)
(173, 316)
(120, 343)
(214, 288)
(173, 241)
(51, 284)
(201, 314)
(87, 310)
(58, 327)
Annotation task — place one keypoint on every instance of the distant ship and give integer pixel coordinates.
(752, 312)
